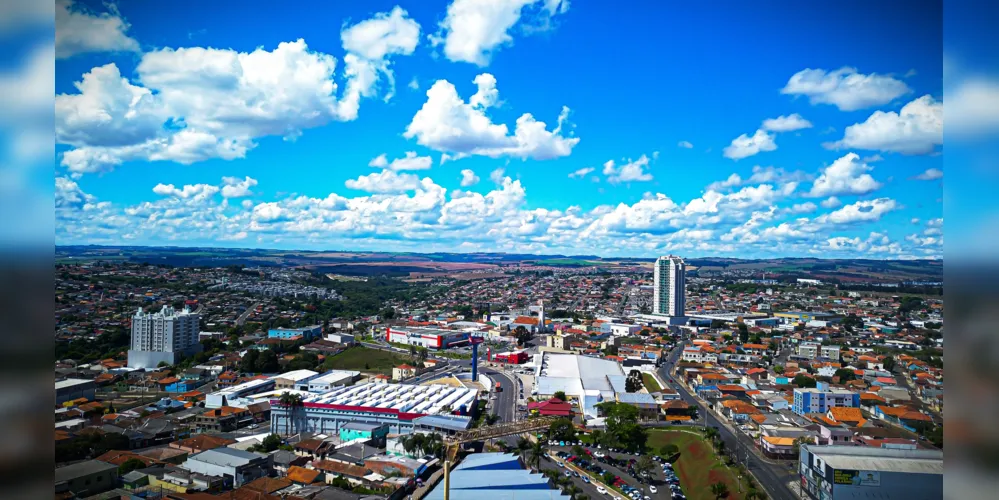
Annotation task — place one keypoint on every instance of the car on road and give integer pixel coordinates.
(568, 474)
(560, 464)
(586, 480)
(601, 490)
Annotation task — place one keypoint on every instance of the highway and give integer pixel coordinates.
(774, 478)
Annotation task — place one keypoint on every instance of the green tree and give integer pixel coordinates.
(267, 362)
(130, 465)
(562, 430)
(535, 453)
(778, 369)
(802, 380)
(889, 363)
(668, 450)
(560, 395)
(743, 333)
(271, 443)
(644, 464)
(719, 490)
(845, 375)
(248, 364)
(578, 450)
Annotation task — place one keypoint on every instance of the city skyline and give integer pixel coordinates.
(408, 127)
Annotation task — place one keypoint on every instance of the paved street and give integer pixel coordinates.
(774, 478)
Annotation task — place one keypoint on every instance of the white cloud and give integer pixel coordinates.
(846, 175)
(78, 31)
(972, 106)
(414, 84)
(787, 123)
(930, 174)
(685, 145)
(745, 146)
(916, 129)
(831, 202)
(468, 178)
(803, 208)
(861, 211)
(473, 30)
(446, 123)
(194, 192)
(193, 104)
(845, 88)
(580, 173)
(632, 171)
(411, 161)
(247, 204)
(497, 176)
(386, 181)
(732, 181)
(234, 187)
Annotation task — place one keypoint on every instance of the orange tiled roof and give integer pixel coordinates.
(845, 414)
(302, 475)
(892, 411)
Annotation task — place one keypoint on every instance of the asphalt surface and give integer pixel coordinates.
(242, 317)
(658, 477)
(773, 478)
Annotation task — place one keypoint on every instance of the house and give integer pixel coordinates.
(223, 419)
(236, 467)
(87, 478)
(404, 371)
(361, 430)
(551, 407)
(849, 416)
(201, 442)
(314, 448)
(174, 384)
(332, 470)
(301, 475)
(777, 447)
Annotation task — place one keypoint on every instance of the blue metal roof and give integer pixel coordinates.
(506, 480)
(450, 422)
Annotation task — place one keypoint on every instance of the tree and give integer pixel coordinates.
(535, 453)
(523, 446)
(743, 333)
(130, 465)
(248, 363)
(608, 477)
(560, 395)
(778, 369)
(162, 364)
(634, 381)
(562, 430)
(267, 362)
(845, 375)
(668, 450)
(292, 402)
(802, 380)
(572, 490)
(888, 363)
(755, 494)
(578, 450)
(644, 464)
(622, 425)
(719, 490)
(271, 443)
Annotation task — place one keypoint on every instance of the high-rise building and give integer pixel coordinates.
(166, 335)
(670, 286)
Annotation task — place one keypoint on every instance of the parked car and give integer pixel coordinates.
(653, 489)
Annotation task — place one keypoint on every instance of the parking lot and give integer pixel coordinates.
(660, 484)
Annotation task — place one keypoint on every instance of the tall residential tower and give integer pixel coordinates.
(670, 287)
(166, 335)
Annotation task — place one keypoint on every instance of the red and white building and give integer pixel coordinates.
(512, 357)
(431, 338)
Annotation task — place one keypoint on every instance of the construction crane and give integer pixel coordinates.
(453, 443)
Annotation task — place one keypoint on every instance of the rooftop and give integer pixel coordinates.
(880, 459)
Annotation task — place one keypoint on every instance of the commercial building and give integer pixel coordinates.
(395, 405)
(294, 379)
(670, 287)
(331, 379)
(306, 332)
(512, 357)
(238, 395)
(341, 338)
(585, 381)
(821, 398)
(74, 388)
(235, 467)
(164, 336)
(495, 475)
(361, 430)
(805, 316)
(85, 479)
(841, 472)
(431, 338)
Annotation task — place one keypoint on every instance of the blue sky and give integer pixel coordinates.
(774, 129)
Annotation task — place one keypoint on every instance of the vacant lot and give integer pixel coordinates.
(698, 466)
(650, 383)
(366, 360)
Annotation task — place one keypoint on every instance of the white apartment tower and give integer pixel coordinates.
(670, 287)
(163, 336)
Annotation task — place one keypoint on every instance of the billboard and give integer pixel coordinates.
(857, 477)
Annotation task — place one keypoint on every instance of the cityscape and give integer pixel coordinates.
(502, 249)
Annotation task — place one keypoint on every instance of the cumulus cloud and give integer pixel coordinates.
(497, 176)
(831, 202)
(745, 146)
(473, 30)
(193, 104)
(846, 175)
(195, 192)
(972, 107)
(787, 123)
(447, 123)
(803, 208)
(580, 173)
(468, 178)
(411, 161)
(861, 211)
(916, 129)
(234, 187)
(685, 145)
(386, 181)
(79, 31)
(845, 88)
(930, 174)
(631, 171)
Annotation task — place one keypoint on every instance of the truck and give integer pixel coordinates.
(499, 387)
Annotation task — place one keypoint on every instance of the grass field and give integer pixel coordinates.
(650, 383)
(698, 466)
(365, 359)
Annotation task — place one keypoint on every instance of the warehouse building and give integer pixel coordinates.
(495, 476)
(585, 381)
(839, 472)
(431, 338)
(395, 405)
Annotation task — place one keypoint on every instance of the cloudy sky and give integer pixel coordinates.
(539, 126)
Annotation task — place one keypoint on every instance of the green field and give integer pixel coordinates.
(366, 360)
(650, 383)
(698, 466)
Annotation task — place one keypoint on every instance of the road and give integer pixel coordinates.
(774, 478)
(246, 314)
(658, 477)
